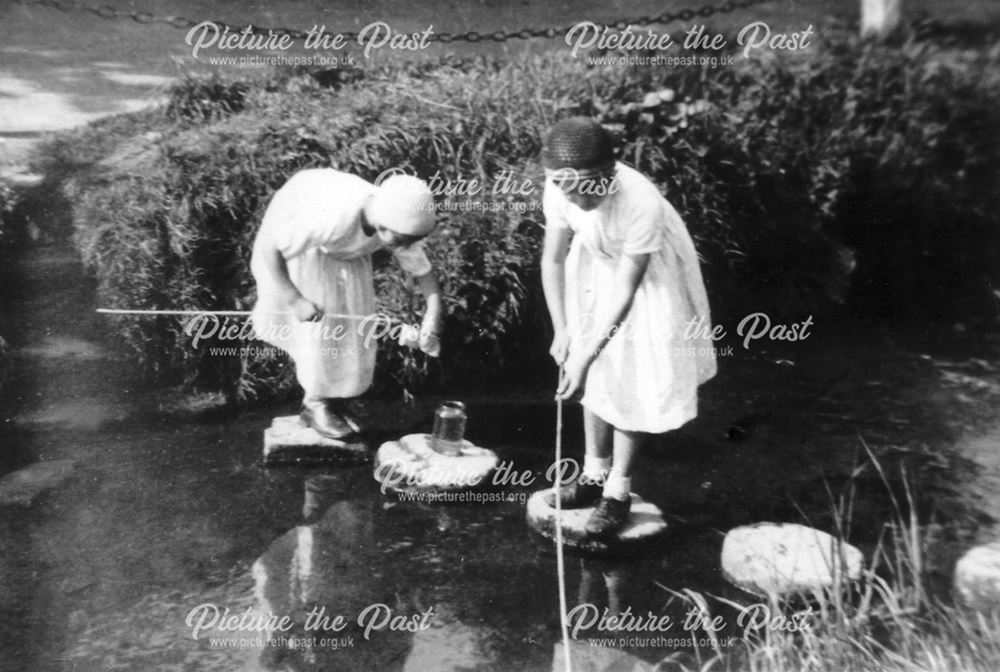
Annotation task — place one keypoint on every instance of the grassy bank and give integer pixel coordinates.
(893, 619)
(852, 178)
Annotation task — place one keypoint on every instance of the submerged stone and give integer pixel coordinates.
(290, 441)
(977, 577)
(586, 656)
(412, 464)
(775, 560)
(193, 404)
(22, 487)
(645, 525)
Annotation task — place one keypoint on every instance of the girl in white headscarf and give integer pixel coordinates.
(312, 264)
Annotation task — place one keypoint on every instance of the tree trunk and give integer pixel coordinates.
(880, 17)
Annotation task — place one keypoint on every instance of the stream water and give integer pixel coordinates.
(168, 520)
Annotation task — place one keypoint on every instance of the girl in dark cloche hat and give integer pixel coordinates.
(628, 306)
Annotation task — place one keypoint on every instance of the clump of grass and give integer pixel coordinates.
(9, 198)
(205, 99)
(889, 620)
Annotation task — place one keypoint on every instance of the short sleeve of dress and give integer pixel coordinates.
(644, 234)
(413, 259)
(644, 231)
(301, 214)
(278, 227)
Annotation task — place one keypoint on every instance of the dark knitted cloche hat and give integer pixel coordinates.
(580, 144)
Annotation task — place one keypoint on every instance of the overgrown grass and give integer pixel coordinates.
(856, 174)
(9, 199)
(8, 204)
(892, 620)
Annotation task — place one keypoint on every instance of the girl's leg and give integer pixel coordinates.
(585, 490)
(627, 446)
(597, 438)
(612, 511)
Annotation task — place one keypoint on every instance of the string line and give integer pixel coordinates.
(234, 313)
(560, 560)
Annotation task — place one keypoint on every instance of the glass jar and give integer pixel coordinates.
(449, 428)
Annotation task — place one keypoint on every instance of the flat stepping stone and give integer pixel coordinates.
(776, 560)
(290, 441)
(410, 464)
(645, 525)
(22, 487)
(977, 577)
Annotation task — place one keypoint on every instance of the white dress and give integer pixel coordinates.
(314, 221)
(647, 376)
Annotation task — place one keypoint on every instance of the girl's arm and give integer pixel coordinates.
(272, 259)
(628, 275)
(554, 252)
(431, 290)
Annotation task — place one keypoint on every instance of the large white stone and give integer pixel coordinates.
(411, 464)
(977, 577)
(22, 487)
(290, 441)
(644, 525)
(775, 560)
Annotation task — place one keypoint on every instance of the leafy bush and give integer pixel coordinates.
(8, 204)
(801, 177)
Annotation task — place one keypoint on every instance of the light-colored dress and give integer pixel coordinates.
(647, 376)
(314, 220)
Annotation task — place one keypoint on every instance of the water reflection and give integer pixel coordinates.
(349, 605)
(608, 590)
(606, 585)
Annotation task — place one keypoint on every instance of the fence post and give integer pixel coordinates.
(880, 17)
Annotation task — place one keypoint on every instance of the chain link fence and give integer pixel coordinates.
(184, 23)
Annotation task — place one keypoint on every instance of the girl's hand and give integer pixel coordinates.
(430, 344)
(560, 347)
(574, 375)
(305, 310)
(409, 337)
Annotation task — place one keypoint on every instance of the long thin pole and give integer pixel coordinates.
(560, 560)
(235, 313)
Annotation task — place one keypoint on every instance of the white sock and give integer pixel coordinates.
(618, 486)
(595, 469)
(312, 401)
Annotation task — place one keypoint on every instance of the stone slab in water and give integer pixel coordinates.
(22, 487)
(775, 560)
(586, 656)
(411, 464)
(290, 441)
(977, 577)
(645, 525)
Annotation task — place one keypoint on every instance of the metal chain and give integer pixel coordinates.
(182, 23)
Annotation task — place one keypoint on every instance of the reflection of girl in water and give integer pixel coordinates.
(334, 560)
(606, 587)
(328, 564)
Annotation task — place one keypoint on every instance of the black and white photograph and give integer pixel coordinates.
(509, 335)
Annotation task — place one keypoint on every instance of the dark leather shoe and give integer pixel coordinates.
(318, 415)
(608, 517)
(576, 495)
(345, 409)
